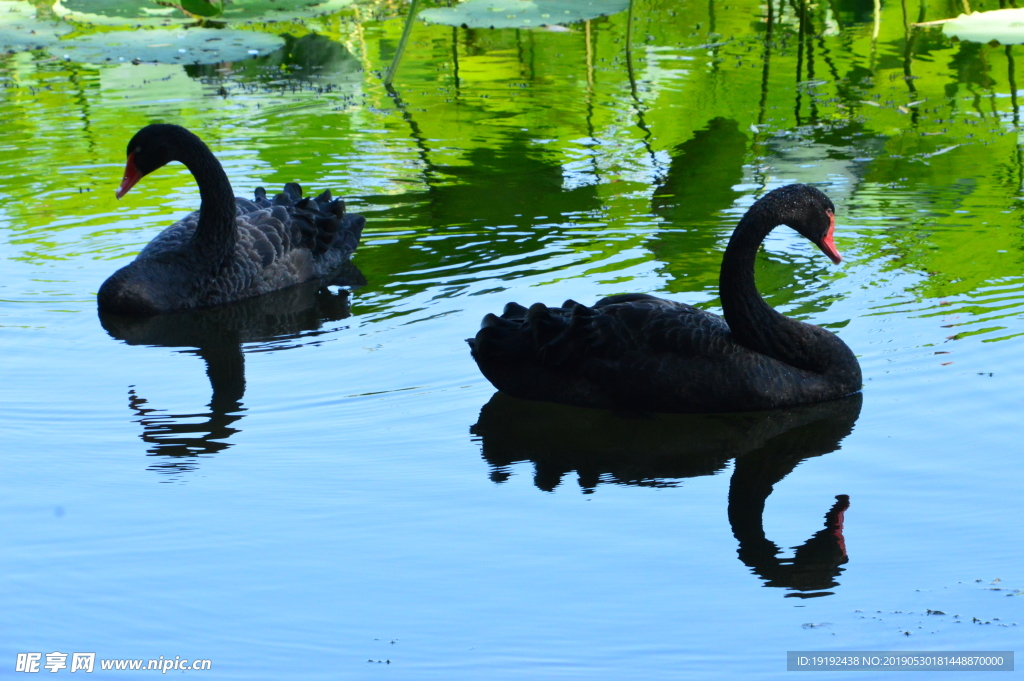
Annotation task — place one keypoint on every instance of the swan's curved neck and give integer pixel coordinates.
(216, 232)
(753, 322)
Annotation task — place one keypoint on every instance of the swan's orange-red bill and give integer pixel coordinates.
(131, 176)
(827, 246)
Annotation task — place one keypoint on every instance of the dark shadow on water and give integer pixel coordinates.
(660, 450)
(277, 321)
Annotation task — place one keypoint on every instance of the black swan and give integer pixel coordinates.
(231, 248)
(635, 352)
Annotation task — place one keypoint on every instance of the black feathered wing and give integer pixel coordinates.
(279, 243)
(633, 352)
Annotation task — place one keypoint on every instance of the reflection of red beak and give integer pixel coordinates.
(132, 175)
(827, 246)
(834, 520)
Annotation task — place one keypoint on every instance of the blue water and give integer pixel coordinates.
(341, 507)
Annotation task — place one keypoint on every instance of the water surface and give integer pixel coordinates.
(305, 485)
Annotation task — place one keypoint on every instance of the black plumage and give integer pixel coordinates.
(231, 248)
(639, 352)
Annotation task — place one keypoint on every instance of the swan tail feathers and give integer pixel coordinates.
(536, 334)
(293, 190)
(514, 311)
(493, 320)
(539, 352)
(321, 223)
(349, 229)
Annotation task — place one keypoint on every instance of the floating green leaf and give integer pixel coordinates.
(150, 13)
(21, 30)
(521, 13)
(183, 46)
(117, 12)
(1005, 26)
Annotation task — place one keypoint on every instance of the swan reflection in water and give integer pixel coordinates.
(659, 450)
(276, 321)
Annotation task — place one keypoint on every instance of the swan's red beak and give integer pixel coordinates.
(132, 175)
(827, 246)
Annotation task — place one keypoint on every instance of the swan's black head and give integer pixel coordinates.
(154, 147)
(808, 211)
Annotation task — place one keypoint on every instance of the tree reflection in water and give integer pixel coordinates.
(659, 450)
(218, 335)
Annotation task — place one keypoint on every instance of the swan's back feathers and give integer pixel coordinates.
(322, 223)
(272, 229)
(567, 336)
(634, 352)
(279, 242)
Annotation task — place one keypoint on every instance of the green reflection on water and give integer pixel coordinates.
(517, 153)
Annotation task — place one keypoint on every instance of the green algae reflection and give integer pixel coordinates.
(620, 153)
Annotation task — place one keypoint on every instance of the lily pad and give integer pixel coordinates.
(117, 12)
(21, 30)
(152, 13)
(183, 46)
(521, 13)
(1003, 25)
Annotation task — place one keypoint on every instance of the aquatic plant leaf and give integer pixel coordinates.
(521, 13)
(182, 46)
(21, 30)
(118, 12)
(1005, 26)
(152, 13)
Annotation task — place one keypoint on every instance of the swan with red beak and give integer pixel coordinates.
(231, 248)
(636, 352)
